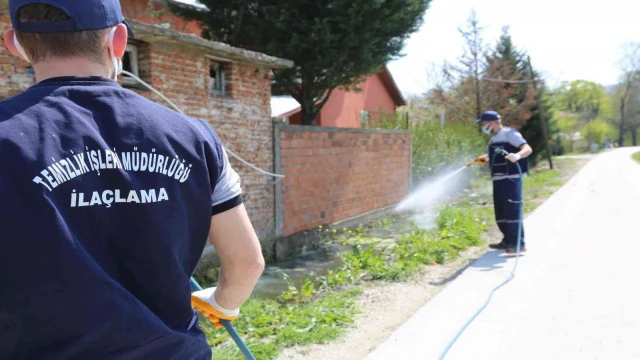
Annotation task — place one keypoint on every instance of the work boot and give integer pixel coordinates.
(502, 245)
(514, 251)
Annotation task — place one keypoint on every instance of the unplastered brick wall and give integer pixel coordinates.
(15, 74)
(338, 174)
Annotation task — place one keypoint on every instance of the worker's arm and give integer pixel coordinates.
(241, 260)
(515, 138)
(525, 151)
(233, 237)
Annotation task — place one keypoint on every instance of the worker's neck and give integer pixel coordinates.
(70, 67)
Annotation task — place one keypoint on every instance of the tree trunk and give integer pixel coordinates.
(621, 134)
(308, 119)
(634, 136)
(477, 78)
(309, 112)
(478, 106)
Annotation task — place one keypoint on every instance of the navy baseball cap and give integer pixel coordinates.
(83, 15)
(488, 116)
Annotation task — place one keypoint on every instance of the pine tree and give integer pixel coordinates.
(532, 129)
(506, 88)
(511, 93)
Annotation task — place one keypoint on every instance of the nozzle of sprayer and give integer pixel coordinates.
(480, 160)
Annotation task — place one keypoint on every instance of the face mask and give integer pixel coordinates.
(117, 63)
(487, 129)
(19, 47)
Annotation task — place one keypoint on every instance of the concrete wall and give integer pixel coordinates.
(336, 174)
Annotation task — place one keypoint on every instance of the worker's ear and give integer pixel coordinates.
(119, 43)
(13, 46)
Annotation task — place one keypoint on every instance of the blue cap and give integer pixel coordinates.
(489, 116)
(83, 15)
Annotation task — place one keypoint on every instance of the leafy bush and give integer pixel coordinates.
(598, 131)
(435, 147)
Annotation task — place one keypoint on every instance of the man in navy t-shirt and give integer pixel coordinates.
(107, 201)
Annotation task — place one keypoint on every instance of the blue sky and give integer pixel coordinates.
(567, 39)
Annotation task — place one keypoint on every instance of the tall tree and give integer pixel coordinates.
(628, 96)
(533, 129)
(630, 66)
(507, 89)
(461, 90)
(471, 61)
(472, 58)
(333, 43)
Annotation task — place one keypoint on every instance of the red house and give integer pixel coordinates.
(348, 109)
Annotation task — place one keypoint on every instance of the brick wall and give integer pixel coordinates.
(241, 118)
(336, 174)
(15, 74)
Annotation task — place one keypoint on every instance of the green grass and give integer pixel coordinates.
(269, 325)
(542, 178)
(636, 156)
(322, 307)
(540, 185)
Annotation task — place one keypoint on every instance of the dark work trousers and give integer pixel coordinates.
(507, 199)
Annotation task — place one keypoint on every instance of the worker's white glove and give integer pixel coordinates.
(513, 157)
(205, 302)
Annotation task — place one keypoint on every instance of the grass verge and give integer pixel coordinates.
(321, 308)
(636, 157)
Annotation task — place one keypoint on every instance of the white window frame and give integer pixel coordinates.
(220, 75)
(133, 56)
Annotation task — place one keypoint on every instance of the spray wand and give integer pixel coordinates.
(481, 160)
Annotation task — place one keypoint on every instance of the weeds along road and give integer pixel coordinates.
(575, 295)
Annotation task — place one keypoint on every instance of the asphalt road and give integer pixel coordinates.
(576, 293)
